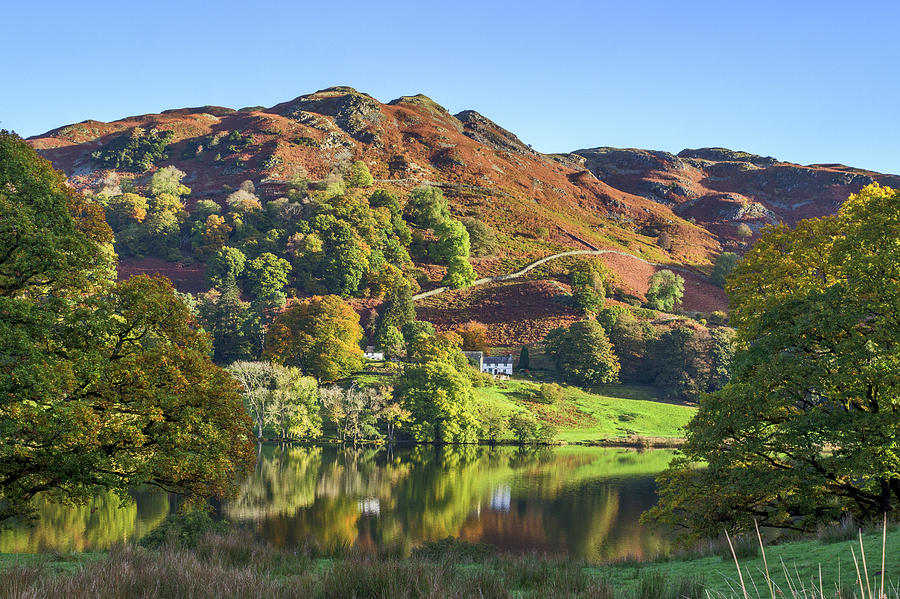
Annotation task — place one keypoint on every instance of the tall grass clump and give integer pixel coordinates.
(867, 585)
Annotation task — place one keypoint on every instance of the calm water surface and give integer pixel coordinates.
(579, 501)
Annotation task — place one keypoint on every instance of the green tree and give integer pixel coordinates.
(398, 311)
(294, 406)
(721, 357)
(453, 241)
(321, 335)
(459, 273)
(136, 151)
(203, 208)
(346, 262)
(494, 423)
(524, 427)
(360, 175)
(267, 275)
(806, 430)
(389, 340)
(441, 402)
(725, 263)
(682, 362)
(633, 342)
(583, 353)
(414, 333)
(524, 359)
(167, 180)
(665, 291)
(588, 289)
(102, 384)
(225, 267)
(231, 323)
(427, 207)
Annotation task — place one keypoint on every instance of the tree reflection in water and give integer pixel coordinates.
(581, 501)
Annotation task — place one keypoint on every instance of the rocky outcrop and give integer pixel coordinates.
(726, 155)
(487, 132)
(356, 113)
(606, 162)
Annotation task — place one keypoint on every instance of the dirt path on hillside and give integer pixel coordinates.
(536, 263)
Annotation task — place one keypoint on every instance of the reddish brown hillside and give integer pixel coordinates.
(598, 198)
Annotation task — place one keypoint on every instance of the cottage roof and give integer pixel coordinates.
(498, 360)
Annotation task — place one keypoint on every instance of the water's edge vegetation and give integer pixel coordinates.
(233, 564)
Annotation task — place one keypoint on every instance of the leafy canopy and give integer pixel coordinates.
(102, 384)
(807, 428)
(666, 290)
(583, 353)
(321, 335)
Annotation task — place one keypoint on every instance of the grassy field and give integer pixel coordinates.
(791, 565)
(605, 413)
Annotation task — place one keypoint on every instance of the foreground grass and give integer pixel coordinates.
(607, 413)
(791, 565)
(234, 565)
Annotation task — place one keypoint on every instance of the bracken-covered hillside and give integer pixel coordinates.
(537, 203)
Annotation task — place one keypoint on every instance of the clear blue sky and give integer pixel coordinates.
(802, 81)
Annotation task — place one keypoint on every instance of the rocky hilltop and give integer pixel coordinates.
(609, 198)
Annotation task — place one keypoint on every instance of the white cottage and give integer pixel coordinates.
(498, 365)
(371, 354)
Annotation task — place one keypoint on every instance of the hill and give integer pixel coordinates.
(662, 208)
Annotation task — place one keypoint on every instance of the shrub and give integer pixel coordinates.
(524, 427)
(550, 393)
(183, 530)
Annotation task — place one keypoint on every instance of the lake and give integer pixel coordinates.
(579, 501)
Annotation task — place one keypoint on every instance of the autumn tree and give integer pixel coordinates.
(360, 175)
(806, 429)
(167, 181)
(474, 336)
(102, 384)
(482, 238)
(321, 335)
